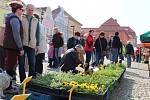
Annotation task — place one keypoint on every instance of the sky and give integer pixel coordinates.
(92, 13)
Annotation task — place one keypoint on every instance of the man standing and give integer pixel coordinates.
(129, 52)
(30, 41)
(57, 42)
(73, 41)
(115, 47)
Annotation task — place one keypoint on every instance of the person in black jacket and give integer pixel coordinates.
(129, 52)
(100, 46)
(57, 42)
(73, 41)
(70, 59)
(115, 47)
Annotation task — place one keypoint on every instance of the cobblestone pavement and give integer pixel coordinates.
(135, 85)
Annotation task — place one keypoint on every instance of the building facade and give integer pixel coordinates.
(61, 22)
(46, 19)
(110, 27)
(73, 25)
(66, 23)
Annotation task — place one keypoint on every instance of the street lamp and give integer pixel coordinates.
(73, 29)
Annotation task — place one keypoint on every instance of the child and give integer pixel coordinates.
(50, 54)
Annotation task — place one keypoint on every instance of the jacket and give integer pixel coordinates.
(89, 43)
(100, 46)
(30, 34)
(42, 48)
(57, 40)
(70, 60)
(116, 42)
(72, 42)
(129, 49)
(13, 33)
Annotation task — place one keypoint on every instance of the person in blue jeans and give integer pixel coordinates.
(129, 52)
(100, 46)
(31, 38)
(58, 43)
(115, 47)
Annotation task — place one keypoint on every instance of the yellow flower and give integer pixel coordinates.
(65, 83)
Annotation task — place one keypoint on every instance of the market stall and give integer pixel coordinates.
(145, 53)
(145, 38)
(145, 48)
(67, 86)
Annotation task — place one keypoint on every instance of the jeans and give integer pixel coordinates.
(88, 57)
(31, 60)
(128, 60)
(56, 57)
(138, 58)
(39, 63)
(114, 55)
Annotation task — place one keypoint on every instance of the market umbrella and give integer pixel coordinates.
(145, 38)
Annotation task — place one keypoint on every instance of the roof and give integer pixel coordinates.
(72, 17)
(55, 12)
(110, 22)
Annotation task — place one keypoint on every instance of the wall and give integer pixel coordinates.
(62, 22)
(77, 27)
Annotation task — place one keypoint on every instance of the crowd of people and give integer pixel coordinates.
(96, 49)
(24, 36)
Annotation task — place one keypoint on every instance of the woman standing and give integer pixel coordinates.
(13, 37)
(89, 43)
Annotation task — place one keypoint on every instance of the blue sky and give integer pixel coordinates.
(92, 13)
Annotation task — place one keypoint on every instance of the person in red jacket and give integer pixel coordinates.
(89, 44)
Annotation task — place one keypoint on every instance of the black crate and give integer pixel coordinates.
(62, 94)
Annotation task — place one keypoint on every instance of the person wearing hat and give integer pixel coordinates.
(70, 59)
(100, 46)
(129, 52)
(13, 37)
(73, 41)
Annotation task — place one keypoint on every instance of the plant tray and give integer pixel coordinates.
(62, 94)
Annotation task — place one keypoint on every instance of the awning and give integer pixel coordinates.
(144, 45)
(145, 38)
